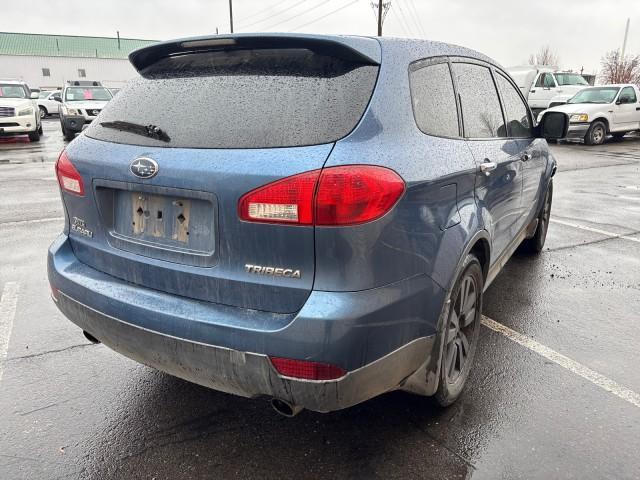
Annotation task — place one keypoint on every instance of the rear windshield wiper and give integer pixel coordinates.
(151, 131)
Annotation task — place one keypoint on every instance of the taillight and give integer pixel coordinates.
(347, 195)
(289, 200)
(356, 194)
(306, 370)
(68, 177)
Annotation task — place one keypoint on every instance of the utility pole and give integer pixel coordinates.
(231, 15)
(380, 9)
(624, 43)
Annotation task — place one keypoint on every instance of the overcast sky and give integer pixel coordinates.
(580, 31)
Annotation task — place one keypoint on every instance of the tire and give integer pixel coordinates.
(34, 136)
(596, 134)
(43, 111)
(461, 332)
(535, 244)
(67, 134)
(40, 130)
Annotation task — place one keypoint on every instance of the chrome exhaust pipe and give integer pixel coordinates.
(90, 337)
(284, 408)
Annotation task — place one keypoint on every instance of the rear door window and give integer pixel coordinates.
(257, 98)
(433, 99)
(518, 122)
(480, 106)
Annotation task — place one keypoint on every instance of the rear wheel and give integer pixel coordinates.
(43, 111)
(535, 244)
(596, 134)
(461, 332)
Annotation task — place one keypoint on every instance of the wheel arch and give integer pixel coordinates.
(602, 119)
(482, 250)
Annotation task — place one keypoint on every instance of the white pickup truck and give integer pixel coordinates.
(546, 87)
(596, 112)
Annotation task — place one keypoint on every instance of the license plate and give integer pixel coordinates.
(158, 217)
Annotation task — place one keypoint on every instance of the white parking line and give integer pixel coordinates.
(595, 230)
(565, 362)
(8, 303)
(27, 222)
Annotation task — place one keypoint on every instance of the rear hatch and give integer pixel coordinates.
(160, 205)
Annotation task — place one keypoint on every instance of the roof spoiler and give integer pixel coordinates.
(355, 49)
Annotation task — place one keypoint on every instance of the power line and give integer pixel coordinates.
(264, 10)
(299, 2)
(401, 16)
(325, 16)
(416, 19)
(280, 22)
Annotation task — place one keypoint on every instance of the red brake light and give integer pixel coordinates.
(347, 195)
(356, 194)
(307, 370)
(68, 177)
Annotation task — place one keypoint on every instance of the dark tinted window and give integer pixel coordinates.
(548, 81)
(629, 94)
(434, 101)
(481, 113)
(545, 80)
(243, 99)
(518, 123)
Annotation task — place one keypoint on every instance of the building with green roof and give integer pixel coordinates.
(48, 61)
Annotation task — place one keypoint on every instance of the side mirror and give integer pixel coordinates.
(623, 100)
(553, 126)
(57, 98)
(34, 96)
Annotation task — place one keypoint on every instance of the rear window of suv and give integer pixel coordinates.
(258, 98)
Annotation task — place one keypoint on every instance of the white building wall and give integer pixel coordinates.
(112, 72)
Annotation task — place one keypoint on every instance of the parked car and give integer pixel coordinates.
(324, 237)
(49, 102)
(596, 112)
(82, 102)
(546, 87)
(19, 110)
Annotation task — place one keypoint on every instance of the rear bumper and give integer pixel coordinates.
(380, 337)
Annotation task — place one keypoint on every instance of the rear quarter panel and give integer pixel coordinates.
(427, 231)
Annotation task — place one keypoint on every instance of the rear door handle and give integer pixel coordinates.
(488, 166)
(526, 156)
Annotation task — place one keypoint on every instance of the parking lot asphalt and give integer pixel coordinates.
(555, 392)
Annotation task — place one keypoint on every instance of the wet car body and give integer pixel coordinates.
(366, 311)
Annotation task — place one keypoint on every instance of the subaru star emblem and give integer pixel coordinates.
(144, 167)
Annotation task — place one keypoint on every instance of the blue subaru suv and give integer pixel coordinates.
(312, 219)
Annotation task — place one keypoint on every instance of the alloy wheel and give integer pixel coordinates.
(460, 328)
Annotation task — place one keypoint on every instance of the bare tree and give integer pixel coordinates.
(545, 56)
(616, 69)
